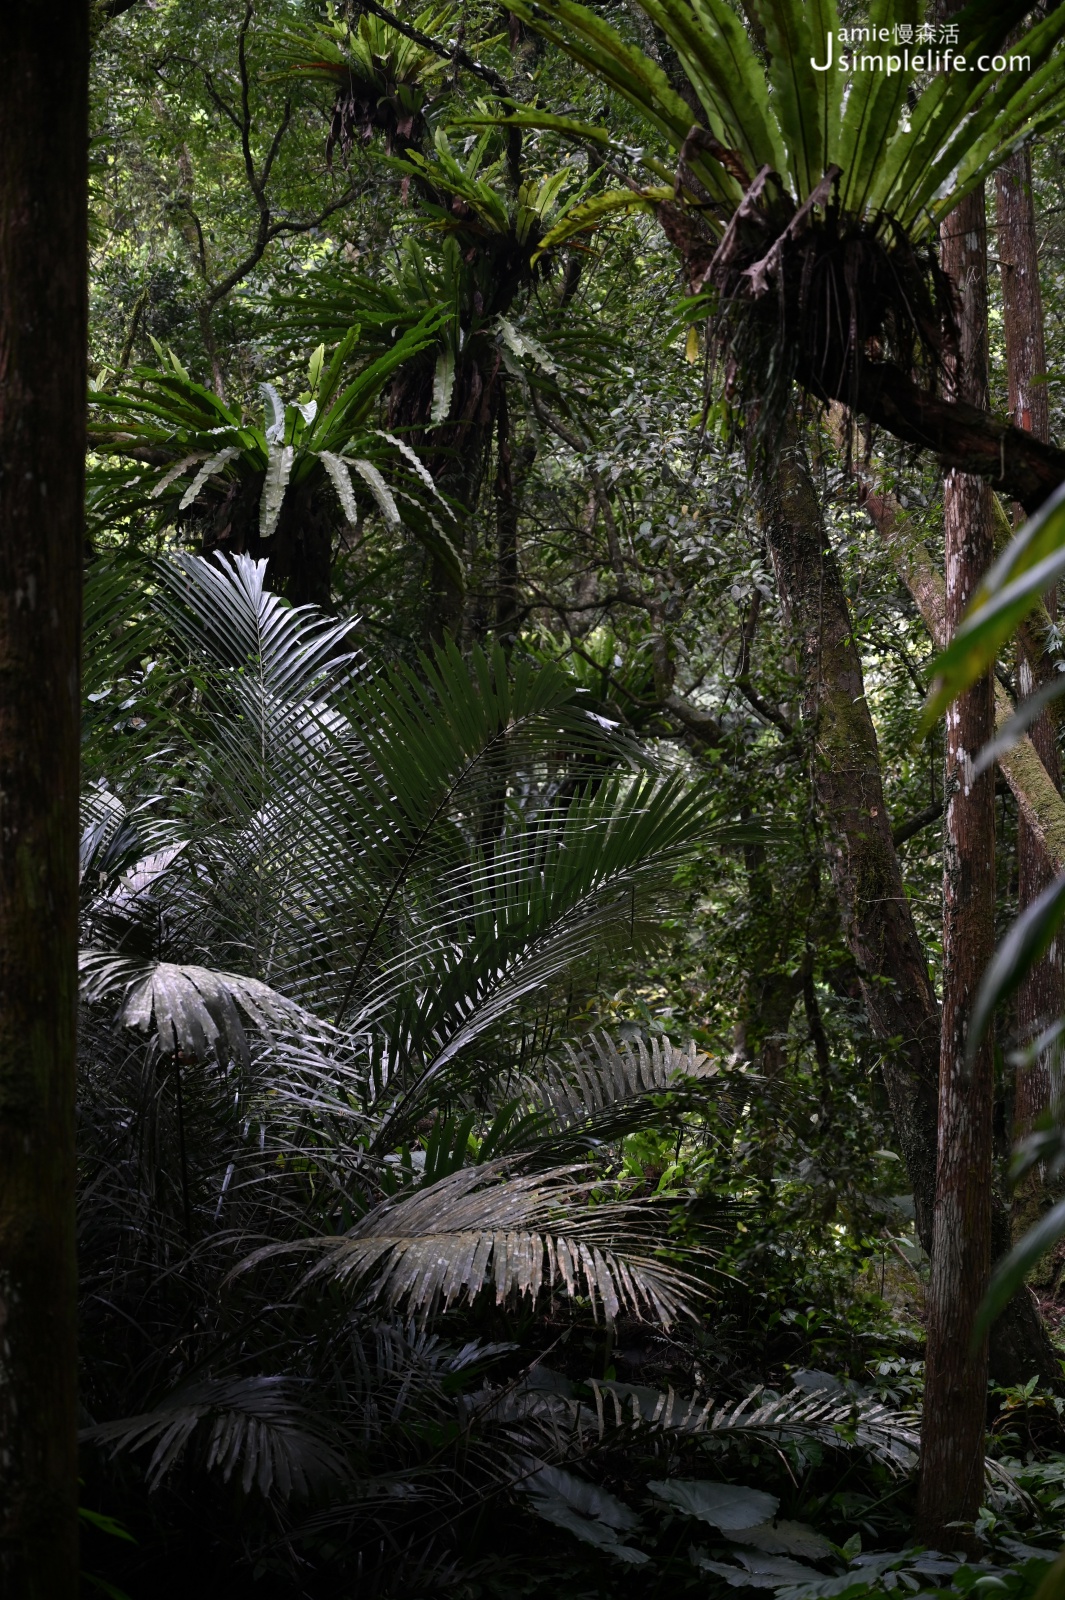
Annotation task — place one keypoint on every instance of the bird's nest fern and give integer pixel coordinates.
(815, 293)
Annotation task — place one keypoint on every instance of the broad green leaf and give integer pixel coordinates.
(1014, 728)
(591, 1514)
(209, 467)
(724, 1505)
(589, 213)
(824, 20)
(718, 57)
(915, 167)
(874, 104)
(602, 51)
(341, 480)
(276, 427)
(1026, 569)
(275, 482)
(1029, 938)
(379, 489)
(178, 470)
(523, 344)
(443, 384)
(797, 88)
(413, 458)
(785, 1538)
(1010, 1274)
(1053, 1585)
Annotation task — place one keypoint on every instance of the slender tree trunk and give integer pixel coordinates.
(1041, 997)
(43, 200)
(878, 923)
(952, 1451)
(513, 465)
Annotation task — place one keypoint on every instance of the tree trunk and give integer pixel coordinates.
(952, 1450)
(513, 466)
(455, 451)
(301, 549)
(43, 309)
(1041, 997)
(878, 923)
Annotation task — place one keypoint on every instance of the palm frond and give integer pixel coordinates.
(516, 1234)
(842, 1421)
(195, 1011)
(604, 1090)
(827, 1417)
(252, 1427)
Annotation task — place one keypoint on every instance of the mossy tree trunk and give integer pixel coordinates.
(952, 1447)
(878, 923)
(43, 204)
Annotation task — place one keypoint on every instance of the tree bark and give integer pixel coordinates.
(1033, 789)
(1041, 997)
(952, 1448)
(43, 310)
(1020, 1347)
(513, 465)
(878, 924)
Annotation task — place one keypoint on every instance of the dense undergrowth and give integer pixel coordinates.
(394, 1277)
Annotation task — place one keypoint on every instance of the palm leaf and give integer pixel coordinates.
(195, 1011)
(253, 1428)
(518, 1235)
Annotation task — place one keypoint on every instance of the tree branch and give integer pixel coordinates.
(742, 677)
(912, 825)
(963, 437)
(223, 105)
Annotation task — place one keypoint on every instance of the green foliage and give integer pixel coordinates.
(445, 993)
(382, 80)
(785, 116)
(326, 433)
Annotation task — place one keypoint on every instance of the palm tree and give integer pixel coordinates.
(344, 1094)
